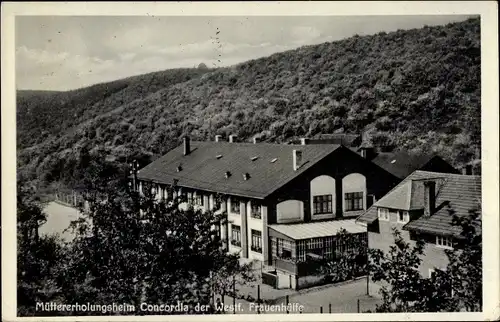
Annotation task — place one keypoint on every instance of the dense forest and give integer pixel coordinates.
(418, 89)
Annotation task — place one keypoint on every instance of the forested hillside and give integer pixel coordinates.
(418, 89)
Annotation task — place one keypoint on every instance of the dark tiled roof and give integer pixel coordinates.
(402, 163)
(457, 193)
(202, 169)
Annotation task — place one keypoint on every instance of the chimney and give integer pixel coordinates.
(304, 141)
(255, 140)
(246, 176)
(429, 198)
(218, 138)
(297, 159)
(467, 169)
(232, 138)
(367, 152)
(187, 145)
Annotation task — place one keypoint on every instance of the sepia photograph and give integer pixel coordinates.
(250, 164)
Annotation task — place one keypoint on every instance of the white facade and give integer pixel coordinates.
(323, 186)
(353, 183)
(289, 211)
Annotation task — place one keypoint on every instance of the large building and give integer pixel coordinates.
(284, 202)
(422, 207)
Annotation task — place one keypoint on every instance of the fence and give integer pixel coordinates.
(68, 198)
(303, 304)
(360, 305)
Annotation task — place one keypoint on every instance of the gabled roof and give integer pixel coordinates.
(402, 163)
(454, 193)
(206, 166)
(407, 196)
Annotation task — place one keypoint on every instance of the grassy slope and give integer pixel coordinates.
(418, 88)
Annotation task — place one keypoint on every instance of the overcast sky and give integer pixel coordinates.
(67, 52)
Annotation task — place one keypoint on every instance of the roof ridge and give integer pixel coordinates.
(458, 175)
(389, 192)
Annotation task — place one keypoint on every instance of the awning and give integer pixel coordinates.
(318, 229)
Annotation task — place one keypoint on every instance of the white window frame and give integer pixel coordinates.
(198, 199)
(386, 216)
(406, 216)
(234, 202)
(444, 242)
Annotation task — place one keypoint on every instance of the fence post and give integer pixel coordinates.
(287, 304)
(329, 307)
(358, 305)
(320, 309)
(258, 299)
(234, 294)
(367, 282)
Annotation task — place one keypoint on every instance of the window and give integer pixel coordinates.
(315, 246)
(217, 231)
(199, 199)
(235, 206)
(328, 244)
(190, 198)
(353, 201)
(431, 272)
(256, 241)
(403, 216)
(383, 214)
(322, 204)
(255, 213)
(235, 235)
(283, 248)
(218, 201)
(444, 242)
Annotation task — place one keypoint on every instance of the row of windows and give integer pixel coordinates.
(324, 247)
(323, 204)
(256, 238)
(444, 242)
(403, 217)
(198, 200)
(385, 215)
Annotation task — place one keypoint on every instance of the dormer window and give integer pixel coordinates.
(274, 160)
(403, 217)
(254, 158)
(179, 168)
(228, 174)
(246, 176)
(218, 156)
(383, 214)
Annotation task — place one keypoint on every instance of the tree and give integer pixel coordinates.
(350, 261)
(463, 274)
(38, 257)
(456, 288)
(133, 248)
